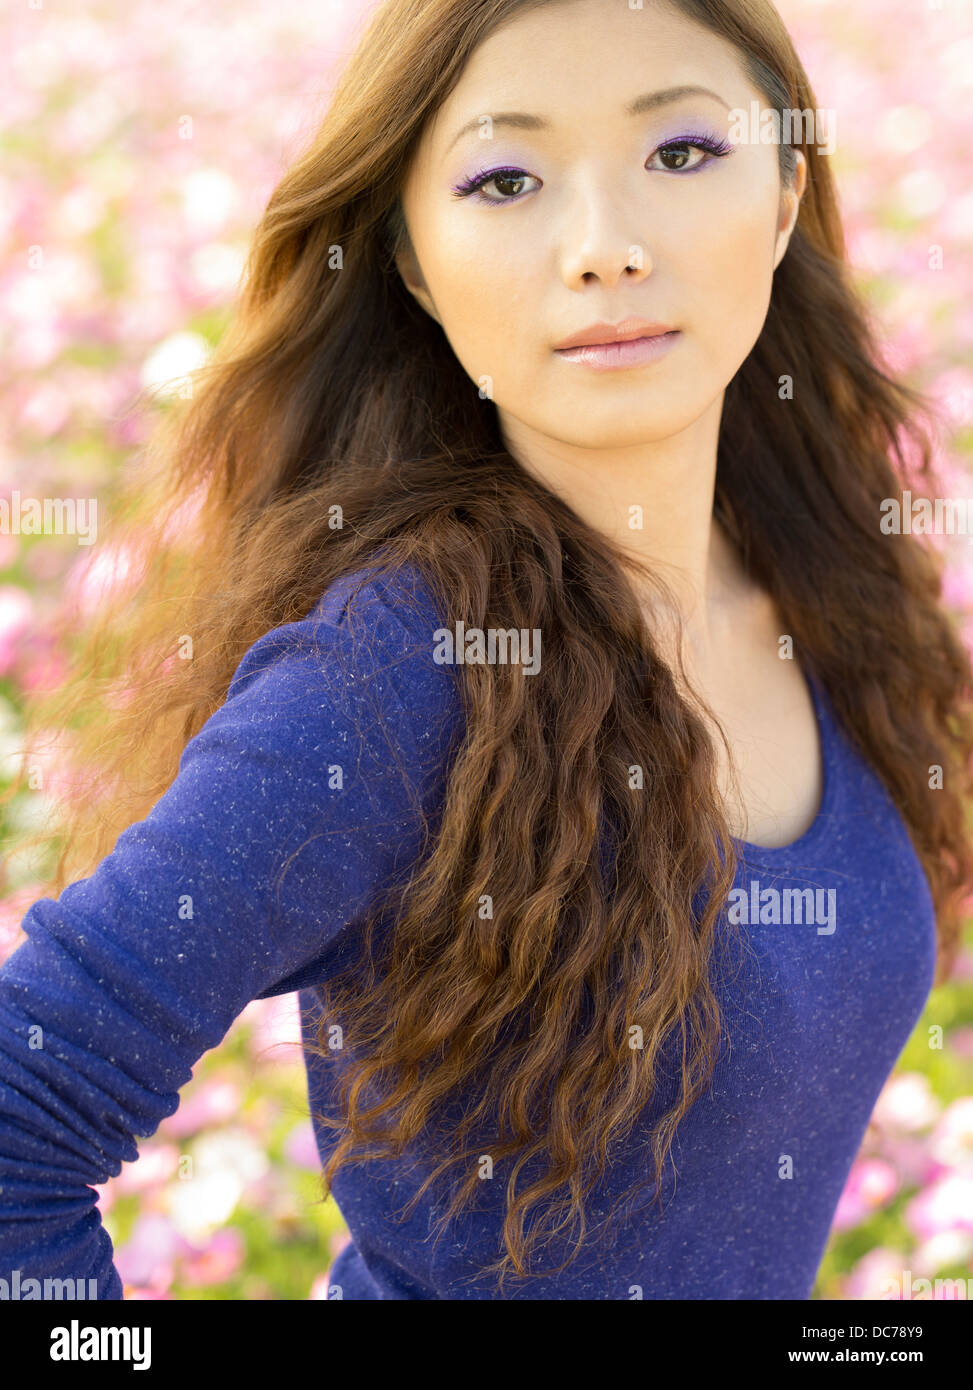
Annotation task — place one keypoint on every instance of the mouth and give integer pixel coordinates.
(626, 352)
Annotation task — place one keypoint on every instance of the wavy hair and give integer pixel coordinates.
(332, 385)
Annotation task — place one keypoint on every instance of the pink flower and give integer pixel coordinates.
(16, 618)
(958, 582)
(44, 666)
(906, 1104)
(871, 1184)
(215, 1262)
(961, 1042)
(879, 1274)
(44, 564)
(940, 1252)
(97, 578)
(964, 956)
(45, 409)
(301, 1147)
(148, 1258)
(909, 1156)
(276, 1025)
(951, 1142)
(946, 1205)
(156, 1165)
(106, 1194)
(212, 1103)
(12, 910)
(953, 390)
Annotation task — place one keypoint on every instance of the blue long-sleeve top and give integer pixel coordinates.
(332, 745)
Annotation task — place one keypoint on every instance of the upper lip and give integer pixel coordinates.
(614, 333)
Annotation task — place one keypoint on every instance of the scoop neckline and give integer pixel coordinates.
(753, 853)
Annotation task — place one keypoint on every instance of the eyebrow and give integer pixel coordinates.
(648, 101)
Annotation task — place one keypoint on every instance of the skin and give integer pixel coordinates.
(603, 227)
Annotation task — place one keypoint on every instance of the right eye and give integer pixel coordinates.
(506, 182)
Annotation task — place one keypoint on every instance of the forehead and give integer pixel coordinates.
(574, 62)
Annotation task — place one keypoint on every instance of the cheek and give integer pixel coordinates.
(486, 294)
(729, 266)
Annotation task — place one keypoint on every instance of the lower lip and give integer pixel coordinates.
(607, 357)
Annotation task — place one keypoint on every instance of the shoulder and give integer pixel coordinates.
(367, 641)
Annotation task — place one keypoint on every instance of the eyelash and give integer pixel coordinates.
(717, 149)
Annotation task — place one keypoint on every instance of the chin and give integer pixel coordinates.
(619, 431)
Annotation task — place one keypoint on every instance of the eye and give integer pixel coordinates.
(680, 150)
(508, 182)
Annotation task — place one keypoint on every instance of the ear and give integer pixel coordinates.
(790, 206)
(407, 264)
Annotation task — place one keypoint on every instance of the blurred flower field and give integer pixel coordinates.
(138, 151)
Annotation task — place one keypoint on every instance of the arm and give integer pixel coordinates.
(130, 975)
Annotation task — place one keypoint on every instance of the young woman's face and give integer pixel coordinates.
(540, 253)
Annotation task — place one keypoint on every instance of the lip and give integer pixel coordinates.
(635, 350)
(597, 334)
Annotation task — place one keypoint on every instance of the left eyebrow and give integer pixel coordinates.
(648, 101)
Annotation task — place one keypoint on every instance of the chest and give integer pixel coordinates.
(771, 781)
(825, 963)
(771, 774)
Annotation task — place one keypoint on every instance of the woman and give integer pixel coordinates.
(604, 955)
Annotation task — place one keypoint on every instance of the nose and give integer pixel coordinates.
(600, 241)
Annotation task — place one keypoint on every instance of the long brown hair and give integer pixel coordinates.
(332, 386)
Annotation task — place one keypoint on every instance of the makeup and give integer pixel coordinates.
(633, 352)
(710, 145)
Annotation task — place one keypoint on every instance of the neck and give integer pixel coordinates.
(654, 501)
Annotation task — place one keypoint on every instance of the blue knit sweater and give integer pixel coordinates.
(335, 736)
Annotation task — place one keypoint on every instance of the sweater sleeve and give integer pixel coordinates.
(323, 765)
